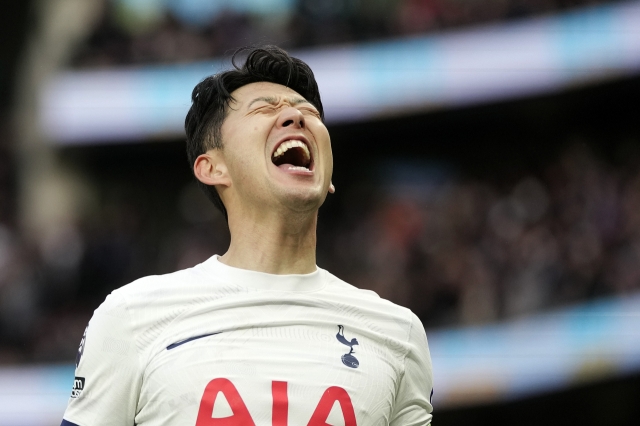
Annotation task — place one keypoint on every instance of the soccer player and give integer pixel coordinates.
(260, 335)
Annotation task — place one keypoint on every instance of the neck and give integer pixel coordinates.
(273, 243)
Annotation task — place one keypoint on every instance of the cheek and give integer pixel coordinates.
(320, 133)
(325, 145)
(247, 142)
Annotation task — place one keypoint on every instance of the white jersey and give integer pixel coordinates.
(217, 345)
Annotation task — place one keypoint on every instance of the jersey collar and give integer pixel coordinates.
(263, 281)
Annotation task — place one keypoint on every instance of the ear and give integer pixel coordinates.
(210, 168)
(332, 188)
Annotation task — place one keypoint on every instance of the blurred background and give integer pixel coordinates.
(487, 165)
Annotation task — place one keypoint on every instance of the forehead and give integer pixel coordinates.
(245, 94)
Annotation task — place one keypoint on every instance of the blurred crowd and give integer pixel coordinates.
(471, 251)
(160, 31)
(457, 250)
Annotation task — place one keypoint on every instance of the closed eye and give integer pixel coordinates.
(311, 111)
(265, 108)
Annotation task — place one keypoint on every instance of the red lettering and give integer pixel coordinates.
(330, 396)
(280, 412)
(280, 407)
(241, 416)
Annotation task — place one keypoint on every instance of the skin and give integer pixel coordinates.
(273, 211)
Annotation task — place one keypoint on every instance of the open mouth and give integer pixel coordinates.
(293, 154)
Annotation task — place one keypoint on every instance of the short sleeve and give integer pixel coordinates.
(107, 378)
(413, 401)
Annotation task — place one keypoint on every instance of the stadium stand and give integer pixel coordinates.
(166, 33)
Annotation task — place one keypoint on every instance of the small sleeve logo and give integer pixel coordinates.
(78, 387)
(81, 348)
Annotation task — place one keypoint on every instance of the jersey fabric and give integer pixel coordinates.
(218, 345)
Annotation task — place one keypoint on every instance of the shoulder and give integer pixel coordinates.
(371, 304)
(155, 284)
(335, 284)
(146, 306)
(163, 291)
(341, 287)
(141, 311)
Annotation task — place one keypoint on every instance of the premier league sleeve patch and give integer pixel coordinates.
(81, 348)
(78, 387)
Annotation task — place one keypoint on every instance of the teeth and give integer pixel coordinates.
(298, 168)
(285, 146)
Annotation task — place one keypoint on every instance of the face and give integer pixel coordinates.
(276, 150)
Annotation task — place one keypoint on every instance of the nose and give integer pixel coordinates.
(291, 117)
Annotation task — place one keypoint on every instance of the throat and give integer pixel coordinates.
(278, 243)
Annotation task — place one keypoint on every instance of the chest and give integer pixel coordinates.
(270, 371)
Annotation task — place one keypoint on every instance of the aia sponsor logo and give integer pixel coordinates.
(280, 407)
(78, 387)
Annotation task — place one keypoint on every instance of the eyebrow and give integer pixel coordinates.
(273, 100)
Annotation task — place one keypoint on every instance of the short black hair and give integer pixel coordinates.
(211, 97)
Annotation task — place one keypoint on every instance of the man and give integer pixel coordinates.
(260, 335)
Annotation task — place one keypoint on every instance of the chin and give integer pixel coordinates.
(301, 200)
